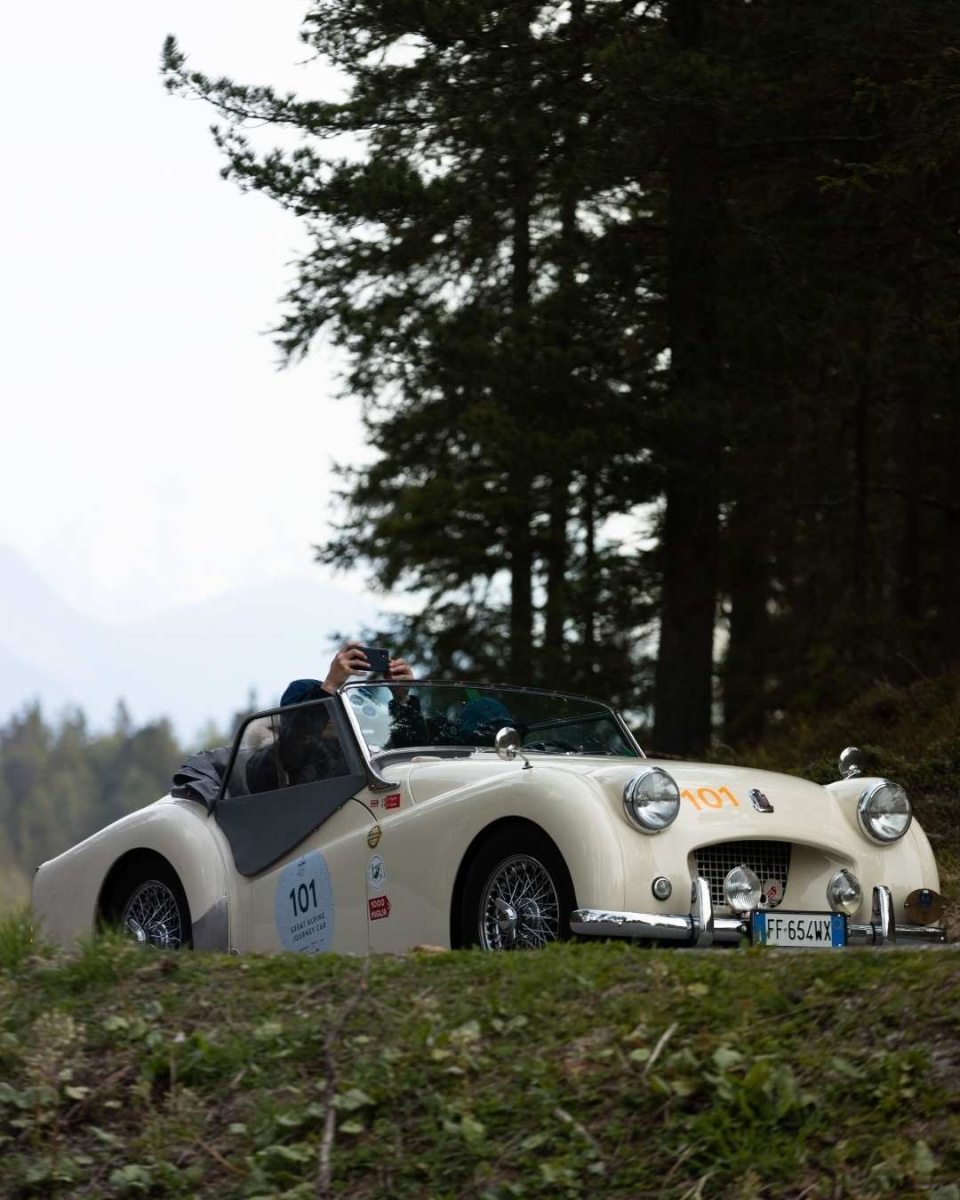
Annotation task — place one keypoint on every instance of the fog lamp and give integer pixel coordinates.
(844, 893)
(742, 890)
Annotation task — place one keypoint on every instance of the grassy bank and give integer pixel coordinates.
(580, 1071)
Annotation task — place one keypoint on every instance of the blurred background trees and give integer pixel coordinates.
(59, 783)
(653, 313)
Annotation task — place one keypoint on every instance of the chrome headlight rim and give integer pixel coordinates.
(864, 817)
(640, 815)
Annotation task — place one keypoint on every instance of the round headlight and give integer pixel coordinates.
(884, 811)
(742, 890)
(844, 893)
(651, 800)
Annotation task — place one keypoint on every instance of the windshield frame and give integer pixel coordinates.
(445, 750)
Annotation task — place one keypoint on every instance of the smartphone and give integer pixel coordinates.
(378, 658)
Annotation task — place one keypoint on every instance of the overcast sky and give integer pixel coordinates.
(152, 455)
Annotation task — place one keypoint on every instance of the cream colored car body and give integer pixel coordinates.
(393, 857)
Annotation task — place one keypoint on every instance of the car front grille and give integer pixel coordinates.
(770, 861)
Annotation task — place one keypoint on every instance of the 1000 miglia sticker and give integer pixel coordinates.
(304, 905)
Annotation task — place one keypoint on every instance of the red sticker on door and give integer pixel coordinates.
(379, 908)
(392, 801)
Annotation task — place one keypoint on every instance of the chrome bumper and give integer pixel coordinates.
(702, 928)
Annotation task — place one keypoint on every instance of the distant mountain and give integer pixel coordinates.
(189, 664)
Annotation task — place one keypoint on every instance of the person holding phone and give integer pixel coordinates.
(350, 659)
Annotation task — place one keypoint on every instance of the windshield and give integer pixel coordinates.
(395, 717)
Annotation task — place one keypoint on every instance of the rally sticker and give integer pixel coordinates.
(379, 908)
(304, 907)
(376, 872)
(392, 801)
(373, 837)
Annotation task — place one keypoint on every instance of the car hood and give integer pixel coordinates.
(717, 804)
(724, 803)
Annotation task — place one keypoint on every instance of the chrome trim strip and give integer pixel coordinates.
(375, 781)
(918, 935)
(669, 927)
(687, 928)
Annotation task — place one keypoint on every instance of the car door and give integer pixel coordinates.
(297, 836)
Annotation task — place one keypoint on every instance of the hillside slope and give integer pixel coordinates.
(578, 1071)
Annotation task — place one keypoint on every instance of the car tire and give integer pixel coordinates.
(150, 905)
(517, 894)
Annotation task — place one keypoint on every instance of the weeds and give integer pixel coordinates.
(581, 1071)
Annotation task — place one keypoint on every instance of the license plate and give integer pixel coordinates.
(809, 931)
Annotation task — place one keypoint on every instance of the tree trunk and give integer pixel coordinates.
(563, 406)
(744, 669)
(556, 554)
(689, 547)
(520, 483)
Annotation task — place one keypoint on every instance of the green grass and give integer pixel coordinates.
(580, 1071)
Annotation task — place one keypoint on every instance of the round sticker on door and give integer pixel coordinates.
(304, 906)
(376, 872)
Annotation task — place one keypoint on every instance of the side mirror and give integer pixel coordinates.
(851, 763)
(507, 743)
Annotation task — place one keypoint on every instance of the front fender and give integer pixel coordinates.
(67, 890)
(424, 848)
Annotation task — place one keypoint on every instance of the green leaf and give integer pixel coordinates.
(353, 1099)
(268, 1031)
(300, 1152)
(924, 1163)
(725, 1058)
(534, 1141)
(472, 1131)
(109, 1139)
(133, 1177)
(290, 1120)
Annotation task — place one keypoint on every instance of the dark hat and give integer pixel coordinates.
(302, 690)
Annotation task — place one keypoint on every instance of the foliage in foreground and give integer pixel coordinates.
(583, 1070)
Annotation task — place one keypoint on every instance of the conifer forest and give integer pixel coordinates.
(652, 312)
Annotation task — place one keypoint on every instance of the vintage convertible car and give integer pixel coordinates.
(456, 815)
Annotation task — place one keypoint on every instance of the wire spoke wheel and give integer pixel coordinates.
(519, 906)
(152, 916)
